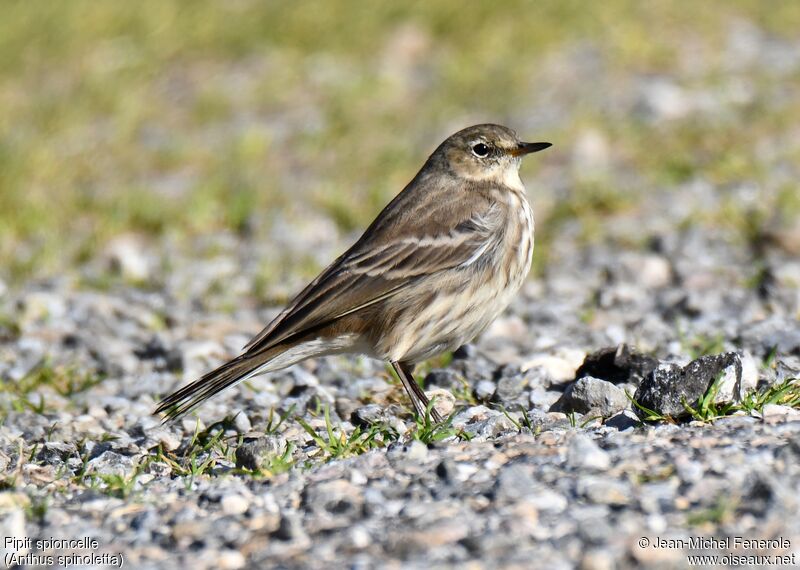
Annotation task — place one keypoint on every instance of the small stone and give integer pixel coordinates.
(54, 452)
(597, 559)
(39, 306)
(778, 413)
(543, 399)
(165, 357)
(230, 560)
(443, 378)
(749, 373)
(444, 401)
(125, 256)
(12, 525)
(509, 388)
(241, 423)
(359, 537)
(560, 367)
(369, 415)
(604, 491)
(338, 496)
(492, 427)
(417, 451)
(514, 482)
(592, 396)
(234, 504)
(111, 463)
(162, 435)
(583, 453)
(257, 453)
(484, 390)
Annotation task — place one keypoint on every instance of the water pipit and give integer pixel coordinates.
(432, 271)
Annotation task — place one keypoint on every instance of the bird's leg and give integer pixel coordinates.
(418, 397)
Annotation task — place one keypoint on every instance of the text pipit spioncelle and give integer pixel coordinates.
(433, 270)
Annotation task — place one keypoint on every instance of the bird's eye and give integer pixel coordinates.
(480, 150)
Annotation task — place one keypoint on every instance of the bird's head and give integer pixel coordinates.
(490, 153)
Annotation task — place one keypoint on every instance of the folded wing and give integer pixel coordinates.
(376, 268)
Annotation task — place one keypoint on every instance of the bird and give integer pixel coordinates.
(437, 265)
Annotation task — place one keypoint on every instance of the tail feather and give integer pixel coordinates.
(192, 395)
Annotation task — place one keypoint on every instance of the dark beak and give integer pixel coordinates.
(526, 148)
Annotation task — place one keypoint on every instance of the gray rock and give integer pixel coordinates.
(256, 453)
(542, 398)
(604, 491)
(111, 463)
(509, 388)
(583, 453)
(669, 386)
(443, 378)
(369, 415)
(53, 452)
(591, 396)
(776, 333)
(164, 357)
(338, 497)
(514, 482)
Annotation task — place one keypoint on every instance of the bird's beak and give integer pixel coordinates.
(526, 148)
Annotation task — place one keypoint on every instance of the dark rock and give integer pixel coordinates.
(759, 497)
(169, 359)
(368, 415)
(447, 470)
(593, 396)
(624, 420)
(464, 352)
(345, 407)
(53, 452)
(617, 365)
(507, 371)
(256, 453)
(290, 528)
(669, 386)
(443, 378)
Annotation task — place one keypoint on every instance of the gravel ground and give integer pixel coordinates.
(544, 462)
(83, 457)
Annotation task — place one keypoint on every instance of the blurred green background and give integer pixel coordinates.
(176, 120)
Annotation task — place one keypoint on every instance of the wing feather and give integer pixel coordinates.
(377, 268)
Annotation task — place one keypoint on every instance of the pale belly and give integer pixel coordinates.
(455, 316)
(460, 304)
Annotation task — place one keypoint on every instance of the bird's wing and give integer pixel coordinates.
(376, 268)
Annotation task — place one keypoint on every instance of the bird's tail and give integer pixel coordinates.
(192, 395)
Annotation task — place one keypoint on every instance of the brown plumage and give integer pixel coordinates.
(433, 270)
